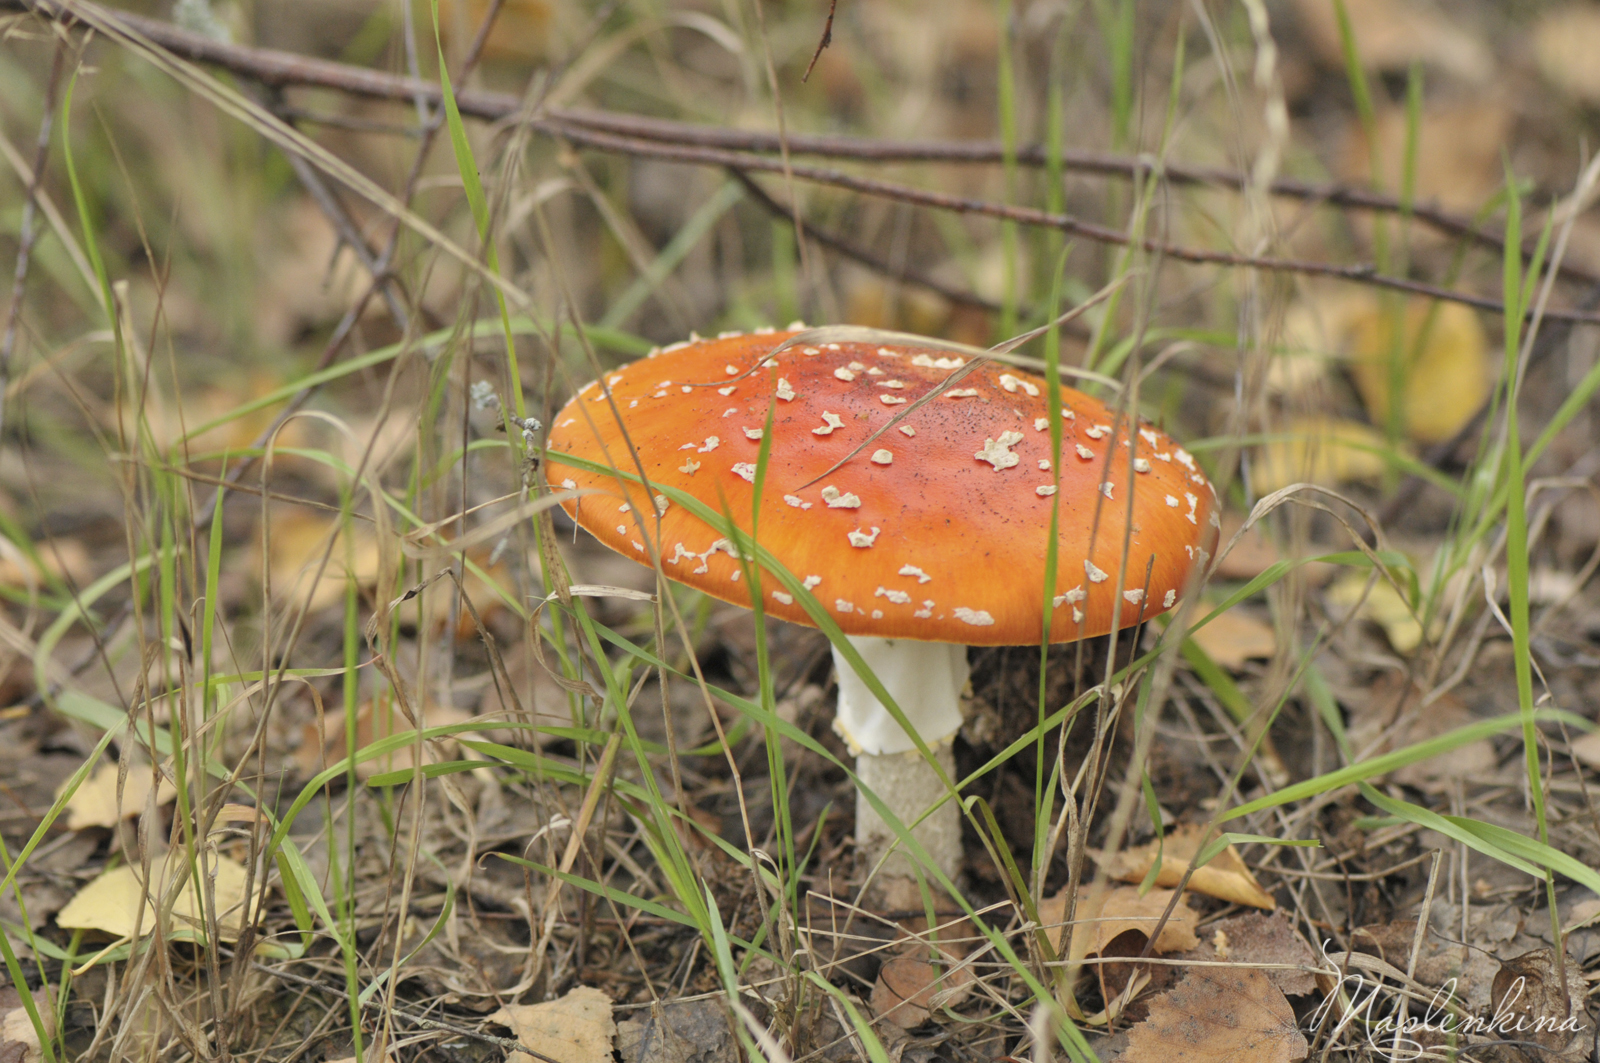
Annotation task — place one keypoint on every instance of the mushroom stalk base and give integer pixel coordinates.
(908, 785)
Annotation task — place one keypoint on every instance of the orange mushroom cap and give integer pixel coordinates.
(937, 531)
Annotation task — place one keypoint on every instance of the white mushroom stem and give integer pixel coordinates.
(925, 680)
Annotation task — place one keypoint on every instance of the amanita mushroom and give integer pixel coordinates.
(930, 539)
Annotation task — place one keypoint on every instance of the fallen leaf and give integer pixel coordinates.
(305, 275)
(1383, 606)
(1584, 913)
(1269, 937)
(441, 597)
(111, 903)
(689, 1031)
(19, 1041)
(1320, 450)
(520, 34)
(1565, 42)
(375, 720)
(1248, 557)
(911, 987)
(1390, 705)
(1115, 925)
(1587, 749)
(297, 541)
(1234, 638)
(1390, 942)
(1225, 877)
(1119, 911)
(61, 558)
(1457, 152)
(578, 1028)
(1528, 991)
(95, 804)
(1227, 1015)
(1443, 364)
(1390, 35)
(870, 301)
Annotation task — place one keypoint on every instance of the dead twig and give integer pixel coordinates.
(284, 69)
(27, 234)
(827, 39)
(861, 255)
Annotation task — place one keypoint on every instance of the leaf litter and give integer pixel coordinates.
(1328, 404)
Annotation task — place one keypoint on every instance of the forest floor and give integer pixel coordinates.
(308, 752)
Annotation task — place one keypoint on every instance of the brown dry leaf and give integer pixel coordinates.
(1528, 991)
(1458, 151)
(441, 597)
(1444, 362)
(19, 1041)
(1383, 606)
(1269, 937)
(374, 721)
(63, 558)
(1565, 42)
(1226, 877)
(1392, 698)
(305, 276)
(1120, 910)
(111, 902)
(202, 404)
(911, 987)
(298, 539)
(520, 34)
(1587, 749)
(1234, 638)
(1221, 1014)
(578, 1028)
(95, 804)
(1320, 450)
(1250, 556)
(1392, 34)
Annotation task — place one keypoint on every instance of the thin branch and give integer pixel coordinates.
(27, 234)
(281, 68)
(827, 39)
(858, 254)
(1364, 273)
(284, 69)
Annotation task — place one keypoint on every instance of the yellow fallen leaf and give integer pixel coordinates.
(298, 540)
(1234, 638)
(1320, 450)
(1225, 877)
(111, 903)
(1096, 925)
(578, 1028)
(1392, 34)
(95, 804)
(1565, 41)
(67, 558)
(1219, 1015)
(1457, 152)
(1383, 606)
(1443, 370)
(520, 33)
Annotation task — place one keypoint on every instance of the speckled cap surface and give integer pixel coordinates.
(936, 531)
